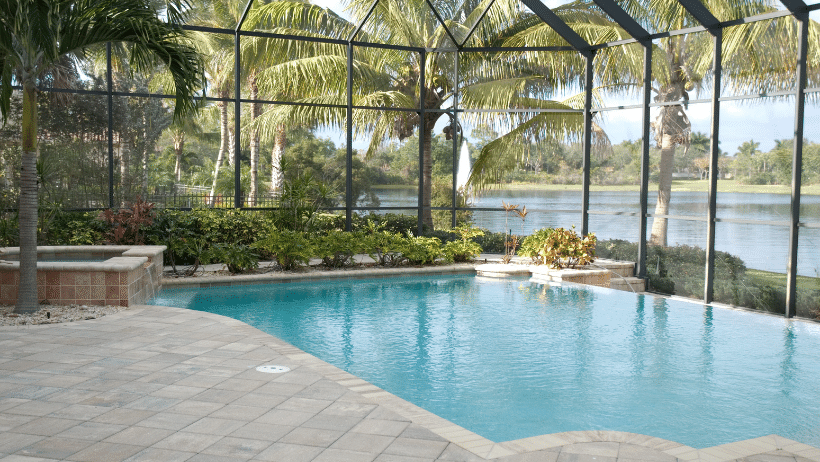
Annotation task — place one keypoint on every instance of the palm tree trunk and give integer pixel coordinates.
(179, 146)
(659, 225)
(256, 110)
(277, 177)
(427, 175)
(27, 288)
(223, 146)
(125, 174)
(144, 188)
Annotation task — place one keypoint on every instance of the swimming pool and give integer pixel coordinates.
(509, 359)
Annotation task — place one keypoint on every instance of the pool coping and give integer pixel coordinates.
(471, 441)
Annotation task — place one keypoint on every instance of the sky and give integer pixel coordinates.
(761, 121)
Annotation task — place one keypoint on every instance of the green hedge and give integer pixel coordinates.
(680, 270)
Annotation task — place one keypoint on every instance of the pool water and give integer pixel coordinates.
(509, 358)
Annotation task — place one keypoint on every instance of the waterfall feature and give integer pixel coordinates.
(463, 171)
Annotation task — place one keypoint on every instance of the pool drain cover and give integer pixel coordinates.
(273, 369)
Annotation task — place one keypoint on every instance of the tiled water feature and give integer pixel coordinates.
(121, 275)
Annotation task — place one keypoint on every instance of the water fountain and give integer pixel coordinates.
(463, 171)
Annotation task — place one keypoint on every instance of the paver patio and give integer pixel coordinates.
(168, 384)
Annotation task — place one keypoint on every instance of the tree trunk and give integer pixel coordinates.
(659, 225)
(179, 147)
(277, 177)
(144, 188)
(231, 147)
(256, 110)
(27, 288)
(427, 174)
(125, 173)
(223, 145)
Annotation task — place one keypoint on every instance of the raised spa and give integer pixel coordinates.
(87, 275)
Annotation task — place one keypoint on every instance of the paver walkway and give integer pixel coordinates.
(167, 384)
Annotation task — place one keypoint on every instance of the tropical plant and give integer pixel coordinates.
(290, 249)
(126, 226)
(238, 258)
(37, 35)
(559, 248)
(315, 72)
(464, 249)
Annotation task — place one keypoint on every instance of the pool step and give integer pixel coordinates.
(618, 275)
(637, 284)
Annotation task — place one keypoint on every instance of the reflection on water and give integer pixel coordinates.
(763, 247)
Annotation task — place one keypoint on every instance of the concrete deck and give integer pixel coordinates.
(168, 384)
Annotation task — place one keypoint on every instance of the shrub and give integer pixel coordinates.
(238, 258)
(491, 242)
(76, 228)
(390, 222)
(126, 225)
(288, 249)
(679, 270)
(464, 249)
(420, 250)
(559, 248)
(337, 248)
(385, 247)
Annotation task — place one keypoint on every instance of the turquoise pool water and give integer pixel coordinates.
(509, 359)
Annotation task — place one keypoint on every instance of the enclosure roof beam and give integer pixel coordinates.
(795, 6)
(623, 19)
(558, 25)
(478, 21)
(363, 21)
(699, 11)
(690, 30)
(244, 15)
(443, 25)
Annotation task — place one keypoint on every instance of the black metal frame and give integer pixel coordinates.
(795, 8)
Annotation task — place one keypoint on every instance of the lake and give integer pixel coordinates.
(760, 246)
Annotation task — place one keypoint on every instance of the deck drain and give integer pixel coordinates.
(273, 369)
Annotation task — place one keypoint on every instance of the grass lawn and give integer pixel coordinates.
(761, 278)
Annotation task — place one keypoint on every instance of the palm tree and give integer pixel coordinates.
(385, 78)
(757, 57)
(37, 34)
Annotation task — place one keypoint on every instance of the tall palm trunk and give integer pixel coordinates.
(125, 173)
(256, 111)
(144, 185)
(659, 224)
(277, 177)
(179, 147)
(427, 173)
(223, 146)
(672, 128)
(27, 288)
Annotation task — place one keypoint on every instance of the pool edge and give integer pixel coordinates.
(488, 449)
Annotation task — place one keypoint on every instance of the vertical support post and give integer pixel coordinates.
(109, 75)
(714, 155)
(349, 154)
(237, 127)
(645, 145)
(587, 144)
(455, 126)
(797, 165)
(422, 114)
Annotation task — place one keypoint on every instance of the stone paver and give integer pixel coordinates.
(166, 384)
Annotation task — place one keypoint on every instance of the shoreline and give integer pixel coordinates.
(724, 186)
